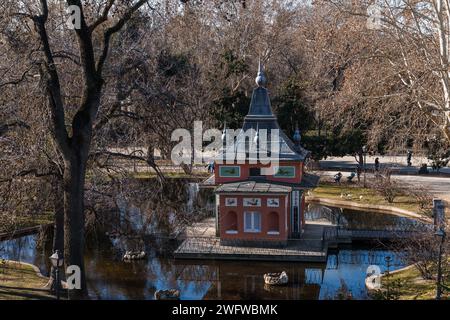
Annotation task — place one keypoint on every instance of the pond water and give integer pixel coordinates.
(108, 277)
(357, 219)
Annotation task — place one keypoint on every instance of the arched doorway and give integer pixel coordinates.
(231, 223)
(273, 223)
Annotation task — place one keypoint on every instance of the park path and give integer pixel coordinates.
(438, 186)
(393, 162)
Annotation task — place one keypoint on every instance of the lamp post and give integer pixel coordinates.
(364, 150)
(388, 265)
(441, 234)
(57, 261)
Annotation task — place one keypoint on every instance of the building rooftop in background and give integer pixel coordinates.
(260, 120)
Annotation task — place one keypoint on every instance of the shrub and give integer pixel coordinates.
(386, 187)
(424, 199)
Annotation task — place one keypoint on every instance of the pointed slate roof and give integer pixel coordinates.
(260, 117)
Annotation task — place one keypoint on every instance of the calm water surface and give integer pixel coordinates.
(109, 277)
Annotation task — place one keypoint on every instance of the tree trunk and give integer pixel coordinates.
(360, 159)
(74, 178)
(75, 147)
(58, 232)
(152, 163)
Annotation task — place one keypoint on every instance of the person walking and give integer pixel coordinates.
(377, 164)
(408, 158)
(358, 173)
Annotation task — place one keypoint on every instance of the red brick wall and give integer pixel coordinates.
(283, 217)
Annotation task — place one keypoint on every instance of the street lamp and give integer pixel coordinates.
(388, 266)
(57, 261)
(441, 234)
(364, 150)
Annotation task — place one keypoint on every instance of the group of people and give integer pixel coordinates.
(357, 173)
(338, 177)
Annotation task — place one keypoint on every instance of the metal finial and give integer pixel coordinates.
(256, 139)
(260, 78)
(224, 132)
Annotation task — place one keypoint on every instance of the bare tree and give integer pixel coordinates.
(416, 49)
(422, 251)
(72, 131)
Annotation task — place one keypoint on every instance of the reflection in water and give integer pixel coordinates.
(347, 268)
(379, 221)
(27, 249)
(142, 209)
(139, 213)
(244, 280)
(110, 278)
(356, 219)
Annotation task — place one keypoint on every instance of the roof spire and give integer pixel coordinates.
(256, 138)
(261, 77)
(224, 132)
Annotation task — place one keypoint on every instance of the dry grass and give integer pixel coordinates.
(413, 286)
(369, 196)
(20, 282)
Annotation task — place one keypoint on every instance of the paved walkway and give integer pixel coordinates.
(393, 162)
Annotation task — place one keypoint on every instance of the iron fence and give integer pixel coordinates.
(334, 234)
(363, 258)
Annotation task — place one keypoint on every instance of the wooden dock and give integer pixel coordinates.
(200, 242)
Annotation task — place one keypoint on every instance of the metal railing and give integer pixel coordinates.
(369, 258)
(330, 234)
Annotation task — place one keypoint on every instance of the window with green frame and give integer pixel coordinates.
(285, 172)
(230, 171)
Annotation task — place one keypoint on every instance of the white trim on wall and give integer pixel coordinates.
(233, 204)
(251, 202)
(275, 202)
